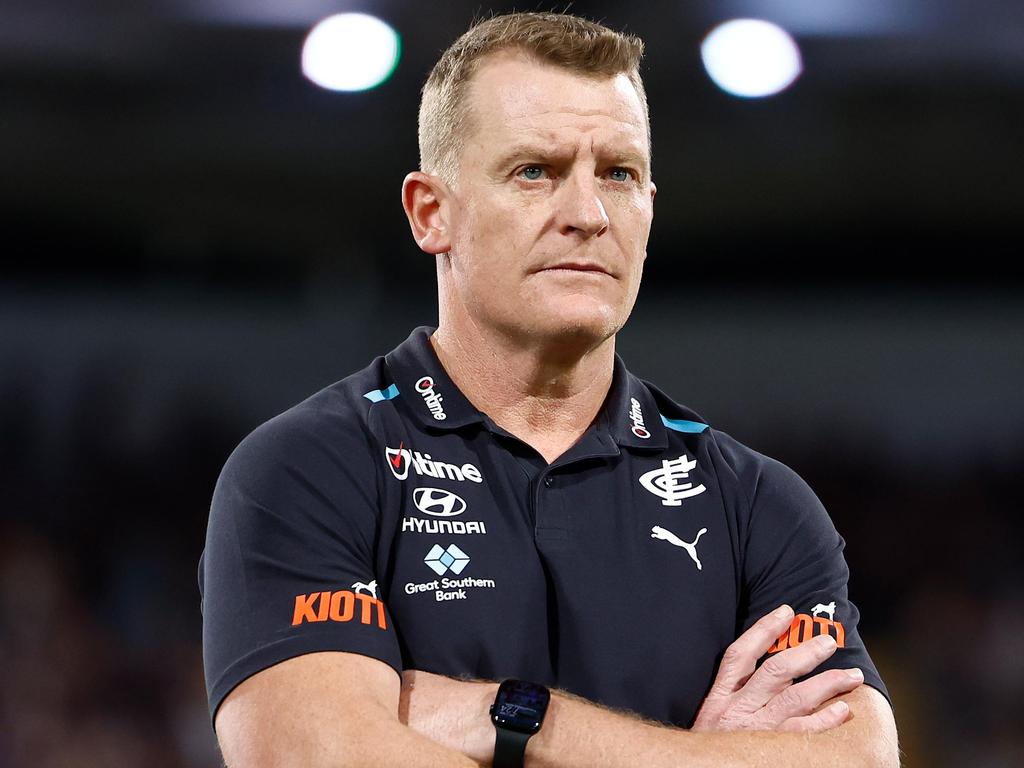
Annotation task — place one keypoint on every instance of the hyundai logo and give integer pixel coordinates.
(438, 502)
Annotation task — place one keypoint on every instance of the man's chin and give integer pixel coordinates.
(573, 324)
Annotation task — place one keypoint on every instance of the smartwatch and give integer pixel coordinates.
(517, 713)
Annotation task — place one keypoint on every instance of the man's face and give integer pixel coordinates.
(552, 206)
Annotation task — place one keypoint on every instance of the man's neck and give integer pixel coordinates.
(546, 394)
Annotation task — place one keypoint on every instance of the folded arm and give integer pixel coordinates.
(342, 709)
(751, 718)
(325, 710)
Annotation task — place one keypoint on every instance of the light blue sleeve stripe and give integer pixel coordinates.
(382, 394)
(682, 425)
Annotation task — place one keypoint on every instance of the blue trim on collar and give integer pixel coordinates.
(682, 425)
(378, 395)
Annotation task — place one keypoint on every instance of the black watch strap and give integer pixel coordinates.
(509, 748)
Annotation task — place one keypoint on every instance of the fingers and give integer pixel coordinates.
(778, 672)
(741, 657)
(807, 696)
(826, 719)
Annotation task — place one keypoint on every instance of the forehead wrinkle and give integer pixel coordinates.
(533, 114)
(599, 135)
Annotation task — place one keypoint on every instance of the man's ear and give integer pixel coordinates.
(427, 200)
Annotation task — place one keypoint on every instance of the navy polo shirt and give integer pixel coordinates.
(386, 516)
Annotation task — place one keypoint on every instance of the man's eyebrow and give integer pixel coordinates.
(629, 158)
(537, 151)
(527, 150)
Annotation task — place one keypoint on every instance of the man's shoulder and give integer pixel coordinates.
(764, 487)
(333, 421)
(736, 457)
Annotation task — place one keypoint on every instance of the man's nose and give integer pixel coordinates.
(582, 209)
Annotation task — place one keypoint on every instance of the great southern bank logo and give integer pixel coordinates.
(440, 561)
(666, 481)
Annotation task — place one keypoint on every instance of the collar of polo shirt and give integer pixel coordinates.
(629, 412)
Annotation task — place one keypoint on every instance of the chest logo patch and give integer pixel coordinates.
(438, 502)
(401, 459)
(657, 532)
(667, 484)
(440, 561)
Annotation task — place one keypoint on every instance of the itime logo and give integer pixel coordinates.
(657, 532)
(400, 459)
(438, 502)
(665, 484)
(425, 386)
(637, 417)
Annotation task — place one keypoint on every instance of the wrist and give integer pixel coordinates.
(540, 750)
(479, 728)
(518, 714)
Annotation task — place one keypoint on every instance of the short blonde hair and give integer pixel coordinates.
(565, 41)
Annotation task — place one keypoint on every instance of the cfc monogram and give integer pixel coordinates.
(665, 482)
(339, 606)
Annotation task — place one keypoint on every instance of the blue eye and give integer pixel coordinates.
(532, 172)
(619, 174)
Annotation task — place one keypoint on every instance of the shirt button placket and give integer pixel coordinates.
(551, 521)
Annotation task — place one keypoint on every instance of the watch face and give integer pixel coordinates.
(520, 706)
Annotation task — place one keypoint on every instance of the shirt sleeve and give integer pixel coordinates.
(288, 567)
(794, 555)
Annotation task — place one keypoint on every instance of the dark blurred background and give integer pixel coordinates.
(193, 237)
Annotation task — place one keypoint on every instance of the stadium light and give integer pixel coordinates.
(751, 58)
(350, 52)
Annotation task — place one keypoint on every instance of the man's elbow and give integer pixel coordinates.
(879, 753)
(331, 745)
(875, 743)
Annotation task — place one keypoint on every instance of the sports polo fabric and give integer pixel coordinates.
(386, 516)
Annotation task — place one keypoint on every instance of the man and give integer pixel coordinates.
(500, 498)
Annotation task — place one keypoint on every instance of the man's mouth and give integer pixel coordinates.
(577, 266)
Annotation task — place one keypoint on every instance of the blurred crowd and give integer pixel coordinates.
(100, 656)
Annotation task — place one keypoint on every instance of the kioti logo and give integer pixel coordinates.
(806, 626)
(339, 606)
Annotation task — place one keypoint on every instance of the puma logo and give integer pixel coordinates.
(657, 532)
(830, 609)
(370, 588)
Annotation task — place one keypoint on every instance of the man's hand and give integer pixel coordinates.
(767, 699)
